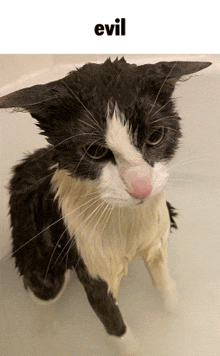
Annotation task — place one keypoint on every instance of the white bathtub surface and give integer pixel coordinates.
(71, 328)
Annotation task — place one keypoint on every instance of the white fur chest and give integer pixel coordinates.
(109, 237)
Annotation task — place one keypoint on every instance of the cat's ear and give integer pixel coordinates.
(161, 78)
(173, 71)
(35, 98)
(50, 104)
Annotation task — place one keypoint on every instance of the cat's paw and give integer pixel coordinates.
(128, 344)
(170, 298)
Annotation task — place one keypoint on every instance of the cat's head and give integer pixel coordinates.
(113, 123)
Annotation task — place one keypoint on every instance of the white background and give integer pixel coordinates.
(68, 26)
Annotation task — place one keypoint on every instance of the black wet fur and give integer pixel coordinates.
(173, 214)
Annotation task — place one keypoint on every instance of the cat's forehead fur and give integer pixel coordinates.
(119, 80)
(125, 82)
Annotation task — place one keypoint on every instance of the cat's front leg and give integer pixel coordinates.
(102, 301)
(165, 284)
(104, 305)
(160, 275)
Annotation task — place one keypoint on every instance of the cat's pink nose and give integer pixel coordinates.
(140, 188)
(138, 181)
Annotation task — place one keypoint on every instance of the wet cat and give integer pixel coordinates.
(93, 199)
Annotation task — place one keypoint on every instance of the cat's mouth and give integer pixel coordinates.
(124, 203)
(120, 196)
(137, 200)
(115, 190)
(140, 202)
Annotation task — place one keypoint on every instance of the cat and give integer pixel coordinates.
(93, 199)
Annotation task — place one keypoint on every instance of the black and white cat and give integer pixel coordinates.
(93, 199)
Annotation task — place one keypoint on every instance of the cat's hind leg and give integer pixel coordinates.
(44, 269)
(39, 238)
(47, 283)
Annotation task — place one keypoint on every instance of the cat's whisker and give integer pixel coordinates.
(60, 143)
(72, 242)
(119, 223)
(67, 262)
(173, 187)
(77, 263)
(107, 220)
(93, 201)
(30, 187)
(163, 118)
(84, 221)
(48, 227)
(174, 130)
(71, 238)
(82, 212)
(48, 267)
(103, 212)
(84, 154)
(191, 159)
(68, 242)
(86, 195)
(42, 179)
(184, 163)
(162, 87)
(91, 116)
(108, 217)
(86, 123)
(89, 216)
(24, 190)
(105, 224)
(170, 139)
(182, 179)
(161, 107)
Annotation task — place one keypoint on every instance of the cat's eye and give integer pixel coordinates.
(95, 151)
(156, 136)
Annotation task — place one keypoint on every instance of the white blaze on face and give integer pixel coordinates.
(132, 179)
